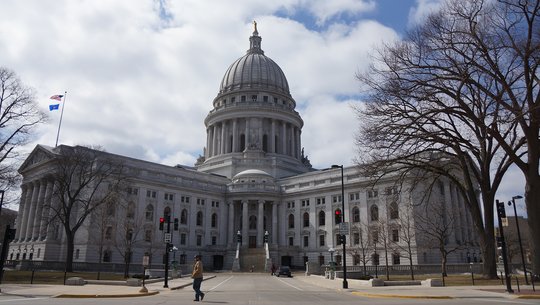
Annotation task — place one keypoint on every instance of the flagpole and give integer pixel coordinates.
(61, 115)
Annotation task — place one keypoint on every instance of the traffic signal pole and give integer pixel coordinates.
(167, 249)
(501, 213)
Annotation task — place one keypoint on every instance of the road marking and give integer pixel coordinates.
(289, 284)
(23, 299)
(223, 282)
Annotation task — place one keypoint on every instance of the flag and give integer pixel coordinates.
(57, 98)
(54, 107)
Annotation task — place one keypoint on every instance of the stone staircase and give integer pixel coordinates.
(255, 257)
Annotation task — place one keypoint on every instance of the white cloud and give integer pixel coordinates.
(422, 9)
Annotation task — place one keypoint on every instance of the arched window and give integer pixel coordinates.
(322, 218)
(253, 222)
(306, 219)
(265, 143)
(356, 214)
(374, 212)
(166, 212)
(394, 210)
(199, 218)
(131, 210)
(291, 221)
(214, 220)
(149, 212)
(183, 217)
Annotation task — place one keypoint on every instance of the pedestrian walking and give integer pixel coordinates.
(197, 276)
(273, 269)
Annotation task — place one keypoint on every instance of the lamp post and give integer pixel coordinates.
(345, 284)
(513, 202)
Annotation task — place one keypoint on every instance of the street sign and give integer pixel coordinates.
(168, 237)
(504, 222)
(146, 261)
(344, 228)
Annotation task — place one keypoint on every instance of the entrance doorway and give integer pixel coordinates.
(218, 262)
(253, 241)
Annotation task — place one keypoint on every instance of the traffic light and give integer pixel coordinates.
(161, 223)
(500, 209)
(338, 212)
(176, 224)
(266, 238)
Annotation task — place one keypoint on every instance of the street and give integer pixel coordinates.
(233, 288)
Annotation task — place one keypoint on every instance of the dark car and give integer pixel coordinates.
(284, 270)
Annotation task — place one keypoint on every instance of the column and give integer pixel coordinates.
(293, 145)
(234, 147)
(272, 143)
(298, 144)
(32, 211)
(260, 223)
(284, 138)
(223, 138)
(26, 189)
(45, 212)
(54, 206)
(245, 237)
(208, 153)
(214, 140)
(246, 132)
(231, 233)
(260, 133)
(39, 208)
(274, 236)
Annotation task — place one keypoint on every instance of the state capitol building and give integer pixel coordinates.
(254, 180)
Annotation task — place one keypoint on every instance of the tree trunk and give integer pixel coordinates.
(443, 263)
(489, 264)
(69, 251)
(532, 197)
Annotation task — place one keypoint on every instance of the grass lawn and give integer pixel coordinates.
(456, 279)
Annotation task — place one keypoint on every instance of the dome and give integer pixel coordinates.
(254, 71)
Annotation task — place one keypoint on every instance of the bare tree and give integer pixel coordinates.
(103, 219)
(362, 244)
(437, 225)
(128, 237)
(19, 115)
(384, 241)
(84, 180)
(434, 110)
(403, 231)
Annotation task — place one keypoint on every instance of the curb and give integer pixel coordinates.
(529, 297)
(83, 296)
(395, 296)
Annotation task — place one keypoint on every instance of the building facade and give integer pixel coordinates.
(253, 180)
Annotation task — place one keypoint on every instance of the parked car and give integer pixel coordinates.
(284, 270)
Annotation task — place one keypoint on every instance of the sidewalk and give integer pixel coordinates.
(355, 287)
(421, 292)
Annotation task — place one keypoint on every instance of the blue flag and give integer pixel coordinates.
(54, 107)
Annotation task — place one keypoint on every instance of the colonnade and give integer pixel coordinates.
(243, 210)
(34, 210)
(276, 137)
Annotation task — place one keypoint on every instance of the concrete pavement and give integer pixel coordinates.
(355, 287)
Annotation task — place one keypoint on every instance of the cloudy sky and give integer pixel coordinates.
(141, 75)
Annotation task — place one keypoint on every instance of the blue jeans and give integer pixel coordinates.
(197, 287)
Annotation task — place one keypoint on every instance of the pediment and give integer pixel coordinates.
(40, 155)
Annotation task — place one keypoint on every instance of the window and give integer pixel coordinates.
(131, 210)
(108, 233)
(199, 218)
(306, 241)
(336, 198)
(391, 190)
(356, 238)
(148, 235)
(372, 194)
(233, 99)
(306, 219)
(200, 201)
(151, 194)
(183, 238)
(290, 205)
(183, 217)
(291, 241)
(356, 259)
(132, 191)
(214, 240)
(356, 214)
(214, 220)
(243, 98)
(215, 204)
(375, 236)
(265, 98)
(169, 196)
(199, 240)
(322, 241)
(322, 218)
(184, 199)
(394, 210)
(149, 213)
(305, 202)
(321, 200)
(395, 235)
(252, 222)
(374, 212)
(354, 196)
(396, 259)
(254, 98)
(107, 256)
(291, 221)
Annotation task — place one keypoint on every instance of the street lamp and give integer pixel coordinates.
(513, 202)
(345, 284)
